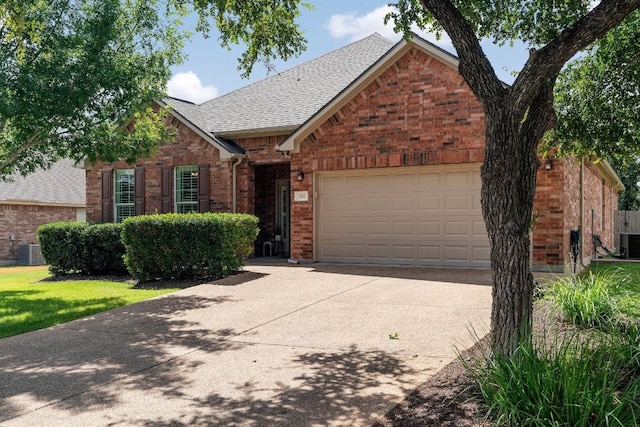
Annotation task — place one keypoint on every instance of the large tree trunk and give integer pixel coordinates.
(508, 190)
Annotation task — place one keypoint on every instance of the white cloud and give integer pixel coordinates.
(357, 26)
(188, 86)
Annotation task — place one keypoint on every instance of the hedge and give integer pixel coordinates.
(187, 246)
(77, 247)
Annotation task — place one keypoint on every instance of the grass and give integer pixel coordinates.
(590, 377)
(28, 303)
(566, 383)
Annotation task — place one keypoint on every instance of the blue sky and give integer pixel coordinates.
(211, 71)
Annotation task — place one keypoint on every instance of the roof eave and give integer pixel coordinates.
(224, 153)
(610, 175)
(253, 133)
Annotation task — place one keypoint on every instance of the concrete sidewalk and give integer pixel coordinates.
(275, 346)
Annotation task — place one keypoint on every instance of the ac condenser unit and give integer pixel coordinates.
(29, 255)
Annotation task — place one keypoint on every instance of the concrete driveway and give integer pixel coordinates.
(275, 346)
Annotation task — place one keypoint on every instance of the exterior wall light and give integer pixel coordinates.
(300, 176)
(548, 164)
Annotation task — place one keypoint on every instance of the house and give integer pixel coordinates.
(368, 154)
(47, 195)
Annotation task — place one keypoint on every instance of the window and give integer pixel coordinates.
(186, 188)
(124, 196)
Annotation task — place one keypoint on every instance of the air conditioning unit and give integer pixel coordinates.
(630, 244)
(29, 255)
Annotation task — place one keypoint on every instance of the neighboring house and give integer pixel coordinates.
(55, 194)
(368, 154)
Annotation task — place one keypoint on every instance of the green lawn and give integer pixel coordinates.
(28, 303)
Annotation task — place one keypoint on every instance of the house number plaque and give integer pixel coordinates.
(300, 196)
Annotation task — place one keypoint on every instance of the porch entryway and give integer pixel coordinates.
(273, 209)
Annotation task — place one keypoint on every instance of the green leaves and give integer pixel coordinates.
(535, 22)
(598, 97)
(74, 75)
(268, 29)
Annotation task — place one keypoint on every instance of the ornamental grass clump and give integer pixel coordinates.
(590, 300)
(567, 383)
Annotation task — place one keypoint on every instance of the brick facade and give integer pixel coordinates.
(416, 111)
(22, 221)
(189, 149)
(561, 193)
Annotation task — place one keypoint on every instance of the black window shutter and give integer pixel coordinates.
(165, 187)
(203, 188)
(138, 190)
(106, 183)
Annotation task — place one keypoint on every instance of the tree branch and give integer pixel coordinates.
(474, 64)
(14, 155)
(547, 62)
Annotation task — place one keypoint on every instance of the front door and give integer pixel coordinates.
(283, 208)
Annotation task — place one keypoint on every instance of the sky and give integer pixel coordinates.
(211, 70)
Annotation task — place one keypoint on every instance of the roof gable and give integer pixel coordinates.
(292, 143)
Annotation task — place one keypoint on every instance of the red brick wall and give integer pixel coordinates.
(558, 203)
(417, 112)
(548, 226)
(189, 149)
(22, 221)
(259, 151)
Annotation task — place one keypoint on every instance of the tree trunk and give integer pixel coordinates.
(508, 190)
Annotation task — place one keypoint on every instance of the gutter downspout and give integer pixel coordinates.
(234, 178)
(582, 237)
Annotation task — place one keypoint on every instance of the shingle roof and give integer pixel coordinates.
(62, 184)
(192, 112)
(287, 99)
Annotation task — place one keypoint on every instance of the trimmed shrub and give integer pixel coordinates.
(102, 249)
(72, 247)
(60, 246)
(187, 246)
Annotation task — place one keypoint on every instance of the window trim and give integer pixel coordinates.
(116, 193)
(193, 204)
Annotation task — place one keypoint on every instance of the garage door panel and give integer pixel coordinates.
(378, 252)
(456, 253)
(403, 252)
(479, 229)
(429, 204)
(456, 228)
(331, 229)
(419, 215)
(405, 203)
(355, 228)
(429, 179)
(378, 204)
(403, 181)
(379, 228)
(456, 203)
(452, 179)
(429, 229)
(430, 253)
(404, 228)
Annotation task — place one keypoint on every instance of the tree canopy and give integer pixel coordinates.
(75, 75)
(598, 97)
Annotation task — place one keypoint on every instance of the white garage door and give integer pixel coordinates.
(427, 215)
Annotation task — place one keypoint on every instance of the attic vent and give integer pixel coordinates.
(29, 255)
(312, 137)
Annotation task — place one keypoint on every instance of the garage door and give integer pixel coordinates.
(427, 215)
